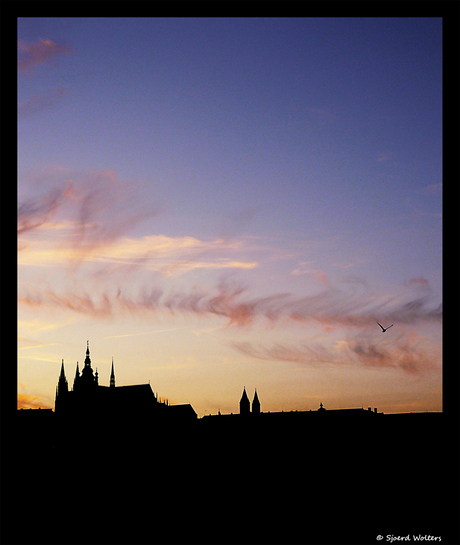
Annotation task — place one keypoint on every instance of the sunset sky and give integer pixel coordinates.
(220, 203)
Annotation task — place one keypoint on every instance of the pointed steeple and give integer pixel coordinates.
(87, 359)
(245, 406)
(76, 379)
(255, 404)
(112, 377)
(62, 383)
(61, 389)
(87, 379)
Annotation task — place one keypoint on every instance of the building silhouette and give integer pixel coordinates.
(245, 406)
(248, 411)
(122, 466)
(123, 418)
(133, 405)
(255, 403)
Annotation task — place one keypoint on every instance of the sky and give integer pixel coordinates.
(222, 203)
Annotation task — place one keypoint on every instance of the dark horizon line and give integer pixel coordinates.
(266, 412)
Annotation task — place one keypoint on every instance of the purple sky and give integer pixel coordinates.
(220, 203)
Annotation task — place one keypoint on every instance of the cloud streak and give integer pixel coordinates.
(41, 102)
(169, 256)
(34, 212)
(332, 307)
(402, 354)
(96, 207)
(31, 54)
(85, 219)
(25, 401)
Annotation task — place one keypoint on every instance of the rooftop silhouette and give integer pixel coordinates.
(120, 465)
(140, 404)
(87, 396)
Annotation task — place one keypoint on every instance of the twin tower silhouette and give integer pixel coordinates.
(245, 406)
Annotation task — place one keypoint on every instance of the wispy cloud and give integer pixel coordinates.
(41, 102)
(96, 205)
(144, 333)
(33, 345)
(401, 354)
(332, 307)
(31, 402)
(31, 54)
(34, 212)
(363, 350)
(85, 219)
(169, 256)
(317, 274)
(181, 267)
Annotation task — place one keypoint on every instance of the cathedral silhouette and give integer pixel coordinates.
(88, 397)
(120, 465)
(139, 403)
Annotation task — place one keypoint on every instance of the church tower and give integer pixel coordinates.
(112, 377)
(61, 390)
(87, 379)
(255, 404)
(245, 407)
(76, 379)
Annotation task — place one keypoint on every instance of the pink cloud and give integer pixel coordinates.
(31, 54)
(330, 308)
(41, 102)
(317, 274)
(97, 203)
(403, 354)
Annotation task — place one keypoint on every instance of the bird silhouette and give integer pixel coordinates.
(385, 328)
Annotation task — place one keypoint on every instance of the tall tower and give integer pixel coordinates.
(76, 379)
(112, 377)
(87, 359)
(61, 390)
(255, 404)
(245, 407)
(87, 379)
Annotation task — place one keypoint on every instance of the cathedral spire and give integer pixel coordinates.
(62, 380)
(87, 379)
(76, 379)
(256, 404)
(112, 377)
(87, 359)
(245, 407)
(61, 389)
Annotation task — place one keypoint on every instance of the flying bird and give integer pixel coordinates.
(385, 328)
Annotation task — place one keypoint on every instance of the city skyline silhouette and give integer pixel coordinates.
(87, 392)
(250, 195)
(245, 477)
(244, 216)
